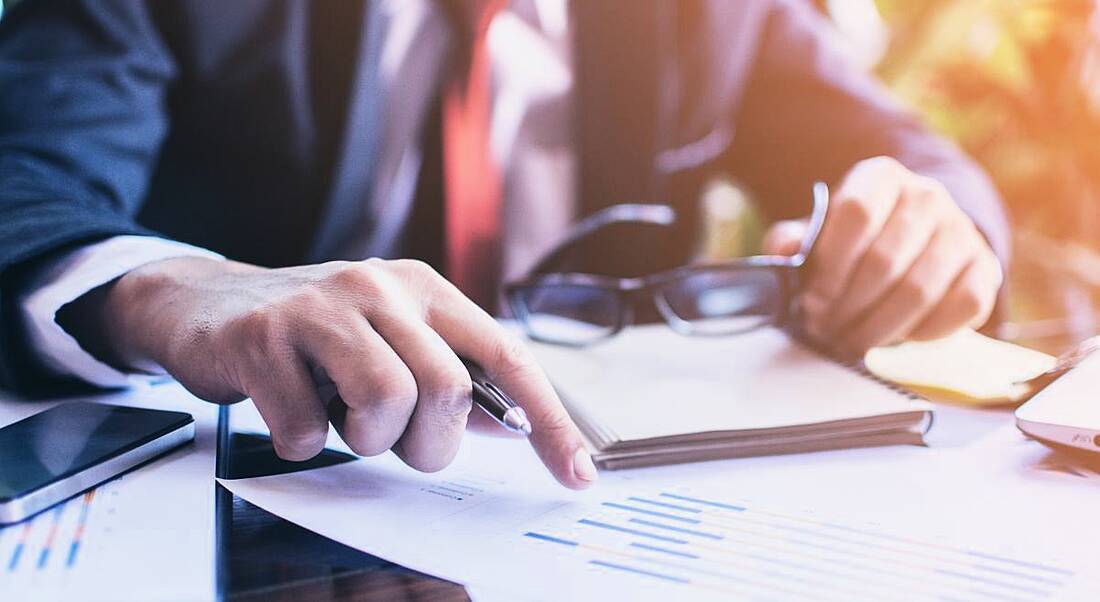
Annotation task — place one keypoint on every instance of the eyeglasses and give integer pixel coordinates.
(711, 299)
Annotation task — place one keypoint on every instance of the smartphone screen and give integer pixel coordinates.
(73, 437)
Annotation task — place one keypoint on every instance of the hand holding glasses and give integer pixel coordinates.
(731, 297)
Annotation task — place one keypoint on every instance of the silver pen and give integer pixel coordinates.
(495, 402)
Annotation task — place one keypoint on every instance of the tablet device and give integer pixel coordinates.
(72, 447)
(1067, 411)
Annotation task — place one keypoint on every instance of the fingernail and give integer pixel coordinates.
(583, 467)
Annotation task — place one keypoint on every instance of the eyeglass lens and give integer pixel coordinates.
(568, 314)
(721, 301)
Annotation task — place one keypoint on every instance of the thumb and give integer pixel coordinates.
(785, 237)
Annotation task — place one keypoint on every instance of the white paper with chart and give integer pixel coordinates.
(148, 535)
(881, 528)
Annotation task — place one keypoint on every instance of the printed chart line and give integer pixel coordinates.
(690, 540)
(740, 515)
(48, 542)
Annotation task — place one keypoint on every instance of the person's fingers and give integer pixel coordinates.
(914, 297)
(481, 422)
(391, 298)
(474, 334)
(286, 397)
(377, 391)
(860, 207)
(906, 233)
(444, 392)
(434, 431)
(969, 302)
(785, 237)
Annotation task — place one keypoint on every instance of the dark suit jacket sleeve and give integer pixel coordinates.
(810, 113)
(82, 92)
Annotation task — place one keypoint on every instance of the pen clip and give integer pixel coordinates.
(495, 392)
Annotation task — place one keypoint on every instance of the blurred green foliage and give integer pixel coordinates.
(1017, 84)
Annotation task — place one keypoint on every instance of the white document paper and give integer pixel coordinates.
(895, 523)
(148, 535)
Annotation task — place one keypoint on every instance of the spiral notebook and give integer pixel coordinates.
(651, 396)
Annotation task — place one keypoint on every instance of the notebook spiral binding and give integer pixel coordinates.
(853, 365)
(858, 367)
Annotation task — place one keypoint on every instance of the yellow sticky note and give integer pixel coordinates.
(966, 367)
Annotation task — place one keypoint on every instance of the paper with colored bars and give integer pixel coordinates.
(494, 520)
(50, 544)
(147, 535)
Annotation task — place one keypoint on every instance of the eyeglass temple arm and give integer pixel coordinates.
(661, 215)
(791, 315)
(817, 221)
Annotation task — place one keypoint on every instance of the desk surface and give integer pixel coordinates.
(260, 556)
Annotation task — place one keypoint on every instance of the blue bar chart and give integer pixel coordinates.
(47, 544)
(681, 541)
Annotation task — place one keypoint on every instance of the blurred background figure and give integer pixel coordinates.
(1017, 84)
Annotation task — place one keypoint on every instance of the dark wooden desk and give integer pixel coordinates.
(263, 557)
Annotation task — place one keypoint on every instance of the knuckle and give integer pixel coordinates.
(932, 189)
(554, 424)
(963, 235)
(882, 163)
(258, 319)
(336, 335)
(451, 394)
(374, 263)
(854, 211)
(394, 389)
(512, 357)
(258, 328)
(362, 276)
(879, 261)
(915, 292)
(920, 198)
(308, 298)
(416, 269)
(423, 281)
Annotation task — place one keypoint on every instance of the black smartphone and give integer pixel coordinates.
(72, 447)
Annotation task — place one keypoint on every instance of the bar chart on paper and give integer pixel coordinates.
(47, 547)
(639, 539)
(674, 543)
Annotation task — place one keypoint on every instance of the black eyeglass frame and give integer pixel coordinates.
(786, 269)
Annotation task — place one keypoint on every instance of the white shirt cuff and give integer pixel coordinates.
(69, 277)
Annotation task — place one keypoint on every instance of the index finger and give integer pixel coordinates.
(474, 334)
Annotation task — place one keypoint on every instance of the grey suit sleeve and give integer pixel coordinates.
(809, 113)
